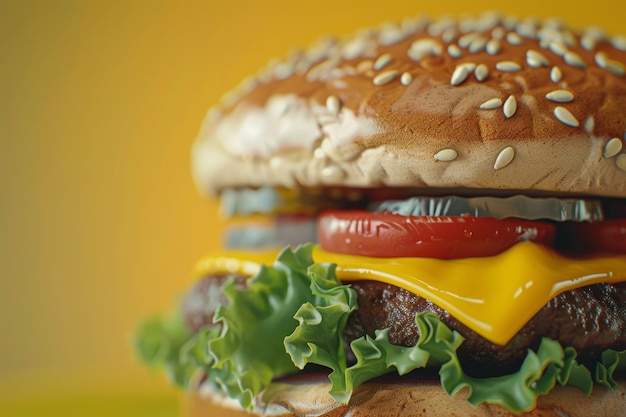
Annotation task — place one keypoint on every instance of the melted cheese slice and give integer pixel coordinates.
(494, 296)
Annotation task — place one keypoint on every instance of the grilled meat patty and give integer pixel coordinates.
(589, 319)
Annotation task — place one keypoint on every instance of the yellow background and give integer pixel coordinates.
(100, 224)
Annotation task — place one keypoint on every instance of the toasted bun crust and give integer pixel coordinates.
(398, 400)
(431, 104)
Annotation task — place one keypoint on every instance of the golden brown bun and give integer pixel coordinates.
(394, 400)
(391, 106)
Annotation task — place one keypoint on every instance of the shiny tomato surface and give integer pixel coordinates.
(358, 232)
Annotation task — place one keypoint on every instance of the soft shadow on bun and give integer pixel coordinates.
(423, 399)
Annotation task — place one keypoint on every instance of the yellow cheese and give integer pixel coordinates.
(494, 296)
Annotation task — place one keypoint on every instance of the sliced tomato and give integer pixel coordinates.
(357, 232)
(607, 236)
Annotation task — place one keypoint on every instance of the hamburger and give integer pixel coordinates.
(427, 218)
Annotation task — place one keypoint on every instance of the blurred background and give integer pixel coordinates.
(100, 224)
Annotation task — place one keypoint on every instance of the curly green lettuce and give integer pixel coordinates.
(293, 313)
(158, 343)
(255, 321)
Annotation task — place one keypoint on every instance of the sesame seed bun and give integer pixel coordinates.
(489, 103)
(396, 400)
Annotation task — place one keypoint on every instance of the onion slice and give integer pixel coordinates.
(518, 206)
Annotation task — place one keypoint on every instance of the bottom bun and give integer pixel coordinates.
(389, 399)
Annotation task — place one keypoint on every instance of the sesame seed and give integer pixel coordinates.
(424, 48)
(448, 35)
(482, 23)
(283, 70)
(382, 61)
(514, 39)
(302, 66)
(391, 35)
(498, 33)
(493, 47)
(620, 161)
(247, 84)
(601, 58)
(615, 67)
(527, 29)
(574, 59)
(385, 77)
(565, 116)
(413, 24)
(459, 75)
(417, 55)
(446, 155)
(569, 38)
(406, 78)
(619, 42)
(533, 63)
(560, 96)
(610, 65)
(510, 22)
(588, 42)
(477, 44)
(549, 34)
(553, 23)
(481, 72)
(596, 33)
(491, 104)
(471, 66)
(229, 98)
(558, 48)
(504, 158)
(454, 51)
(466, 40)
(510, 106)
(508, 66)
(354, 48)
(333, 105)
(439, 26)
(537, 58)
(556, 75)
(590, 124)
(612, 147)
(324, 67)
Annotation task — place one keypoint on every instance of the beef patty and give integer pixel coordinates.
(589, 319)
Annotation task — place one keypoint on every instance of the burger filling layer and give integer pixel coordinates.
(513, 292)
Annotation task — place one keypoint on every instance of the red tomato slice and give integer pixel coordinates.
(357, 232)
(607, 236)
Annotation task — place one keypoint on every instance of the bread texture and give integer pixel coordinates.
(424, 399)
(476, 104)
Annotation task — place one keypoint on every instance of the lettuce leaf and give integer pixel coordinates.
(610, 362)
(293, 313)
(437, 347)
(250, 350)
(158, 343)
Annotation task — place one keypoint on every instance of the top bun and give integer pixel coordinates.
(479, 105)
